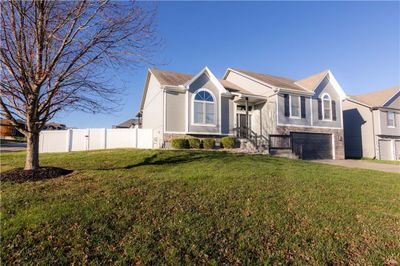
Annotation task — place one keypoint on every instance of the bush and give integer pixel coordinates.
(228, 142)
(209, 143)
(180, 143)
(194, 143)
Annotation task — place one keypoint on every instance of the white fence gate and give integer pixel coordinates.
(94, 139)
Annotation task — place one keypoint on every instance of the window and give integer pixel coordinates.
(391, 119)
(294, 106)
(327, 107)
(204, 108)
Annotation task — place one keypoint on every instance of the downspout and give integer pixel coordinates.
(373, 131)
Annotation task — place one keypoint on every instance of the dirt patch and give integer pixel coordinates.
(20, 175)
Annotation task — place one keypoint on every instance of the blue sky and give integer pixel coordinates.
(358, 41)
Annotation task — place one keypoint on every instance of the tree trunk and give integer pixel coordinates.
(32, 151)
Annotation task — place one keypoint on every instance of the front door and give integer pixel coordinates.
(241, 122)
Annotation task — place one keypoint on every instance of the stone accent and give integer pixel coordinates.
(338, 133)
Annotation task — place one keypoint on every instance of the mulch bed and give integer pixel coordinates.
(20, 175)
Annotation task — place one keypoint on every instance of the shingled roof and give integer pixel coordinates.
(378, 98)
(281, 82)
(170, 77)
(313, 81)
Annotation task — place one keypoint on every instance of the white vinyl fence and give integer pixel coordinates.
(94, 139)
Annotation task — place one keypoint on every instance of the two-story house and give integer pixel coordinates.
(269, 111)
(372, 125)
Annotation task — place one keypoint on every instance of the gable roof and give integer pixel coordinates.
(170, 77)
(312, 82)
(281, 82)
(378, 98)
(232, 87)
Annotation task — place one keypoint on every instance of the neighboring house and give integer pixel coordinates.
(130, 123)
(372, 125)
(269, 112)
(8, 130)
(54, 126)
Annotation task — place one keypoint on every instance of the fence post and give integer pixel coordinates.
(68, 140)
(105, 138)
(136, 136)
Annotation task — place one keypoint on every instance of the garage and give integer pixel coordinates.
(312, 146)
(397, 146)
(385, 149)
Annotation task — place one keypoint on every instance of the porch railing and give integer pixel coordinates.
(247, 133)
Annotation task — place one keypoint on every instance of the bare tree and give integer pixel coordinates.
(53, 55)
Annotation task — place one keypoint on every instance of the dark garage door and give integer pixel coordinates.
(312, 146)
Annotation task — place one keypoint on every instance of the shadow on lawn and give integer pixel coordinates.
(163, 159)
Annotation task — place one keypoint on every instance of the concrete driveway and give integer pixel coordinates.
(391, 168)
(11, 147)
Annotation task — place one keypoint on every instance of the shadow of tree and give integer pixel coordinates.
(178, 157)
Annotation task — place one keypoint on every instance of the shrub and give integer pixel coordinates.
(209, 143)
(228, 142)
(180, 143)
(194, 143)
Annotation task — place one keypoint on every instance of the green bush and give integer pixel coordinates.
(194, 143)
(228, 142)
(209, 143)
(180, 143)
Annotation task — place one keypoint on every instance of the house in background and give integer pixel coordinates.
(54, 126)
(265, 112)
(372, 125)
(8, 130)
(130, 123)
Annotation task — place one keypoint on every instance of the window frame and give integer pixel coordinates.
(290, 107)
(394, 119)
(323, 107)
(204, 114)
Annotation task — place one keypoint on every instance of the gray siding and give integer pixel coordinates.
(358, 130)
(204, 82)
(389, 131)
(153, 110)
(227, 115)
(282, 119)
(175, 112)
(326, 87)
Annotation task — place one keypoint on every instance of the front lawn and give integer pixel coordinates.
(176, 207)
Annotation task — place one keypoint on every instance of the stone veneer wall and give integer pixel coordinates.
(339, 137)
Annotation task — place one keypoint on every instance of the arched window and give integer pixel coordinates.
(204, 107)
(327, 107)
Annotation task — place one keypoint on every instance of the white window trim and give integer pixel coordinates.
(215, 108)
(323, 107)
(290, 107)
(394, 120)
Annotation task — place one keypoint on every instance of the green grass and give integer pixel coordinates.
(198, 207)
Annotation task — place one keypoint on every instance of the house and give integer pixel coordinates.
(265, 112)
(372, 125)
(130, 123)
(54, 126)
(8, 130)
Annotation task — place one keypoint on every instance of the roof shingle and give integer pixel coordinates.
(377, 98)
(276, 81)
